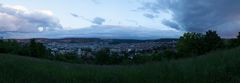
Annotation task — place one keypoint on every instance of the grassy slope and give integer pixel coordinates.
(216, 67)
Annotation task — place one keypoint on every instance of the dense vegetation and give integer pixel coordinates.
(215, 67)
(192, 44)
(32, 48)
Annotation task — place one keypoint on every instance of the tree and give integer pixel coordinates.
(3, 46)
(10, 46)
(37, 49)
(212, 41)
(197, 44)
(235, 42)
(238, 37)
(190, 44)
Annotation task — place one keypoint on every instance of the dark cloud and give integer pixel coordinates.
(98, 20)
(171, 24)
(103, 31)
(19, 19)
(201, 15)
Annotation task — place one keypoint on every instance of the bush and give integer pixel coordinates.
(116, 59)
(103, 56)
(69, 57)
(142, 58)
(169, 54)
(157, 56)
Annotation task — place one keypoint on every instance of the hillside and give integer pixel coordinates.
(215, 67)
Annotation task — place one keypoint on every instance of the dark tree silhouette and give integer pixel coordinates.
(37, 49)
(238, 37)
(212, 41)
(235, 42)
(190, 44)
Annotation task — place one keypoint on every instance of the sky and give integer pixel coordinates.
(119, 19)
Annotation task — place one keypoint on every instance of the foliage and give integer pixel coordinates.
(103, 56)
(157, 56)
(169, 54)
(37, 49)
(190, 44)
(115, 58)
(238, 37)
(33, 48)
(69, 57)
(142, 58)
(235, 42)
(212, 41)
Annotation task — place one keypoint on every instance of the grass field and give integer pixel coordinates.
(215, 67)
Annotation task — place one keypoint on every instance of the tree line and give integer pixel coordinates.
(33, 48)
(189, 45)
(192, 43)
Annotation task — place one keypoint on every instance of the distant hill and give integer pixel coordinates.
(87, 40)
(215, 67)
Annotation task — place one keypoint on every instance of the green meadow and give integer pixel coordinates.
(215, 67)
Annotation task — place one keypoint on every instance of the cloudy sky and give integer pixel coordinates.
(124, 19)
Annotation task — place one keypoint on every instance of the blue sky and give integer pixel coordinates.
(141, 19)
(115, 12)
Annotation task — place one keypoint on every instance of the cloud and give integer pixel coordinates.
(95, 1)
(132, 21)
(171, 24)
(103, 31)
(14, 18)
(74, 15)
(150, 16)
(200, 15)
(81, 17)
(98, 20)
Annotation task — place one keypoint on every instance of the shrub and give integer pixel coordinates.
(103, 56)
(142, 58)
